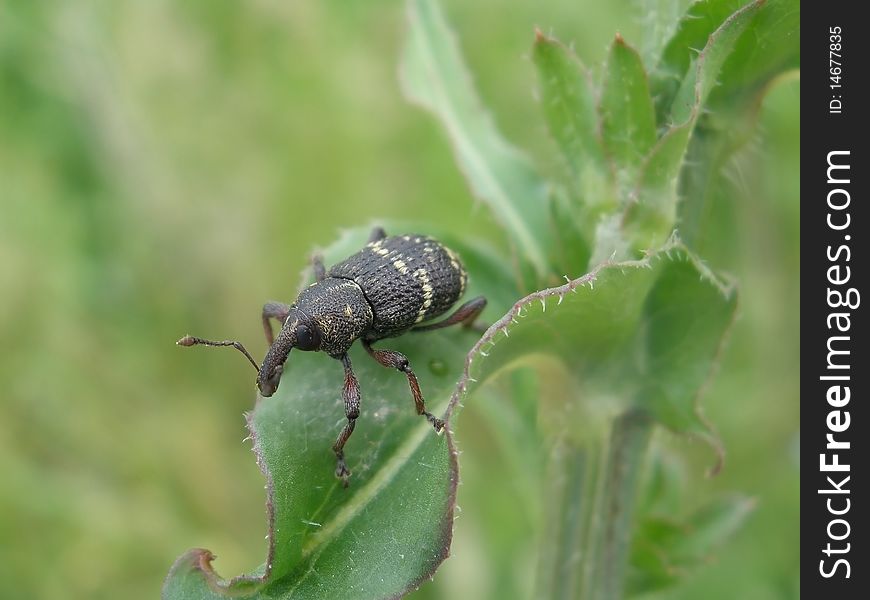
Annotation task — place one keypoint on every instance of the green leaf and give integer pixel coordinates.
(627, 117)
(651, 218)
(766, 56)
(642, 334)
(434, 76)
(570, 107)
(574, 228)
(666, 547)
(608, 327)
(669, 544)
(686, 314)
(712, 524)
(700, 80)
(770, 48)
(665, 483)
(693, 30)
(569, 104)
(392, 527)
(659, 20)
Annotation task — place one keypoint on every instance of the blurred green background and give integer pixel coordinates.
(166, 167)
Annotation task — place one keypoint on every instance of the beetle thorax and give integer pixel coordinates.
(339, 309)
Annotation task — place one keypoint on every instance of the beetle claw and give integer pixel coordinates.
(342, 472)
(437, 423)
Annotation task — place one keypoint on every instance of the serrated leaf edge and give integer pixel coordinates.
(691, 120)
(674, 244)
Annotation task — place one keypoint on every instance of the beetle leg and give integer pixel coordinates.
(377, 233)
(465, 314)
(397, 360)
(277, 311)
(351, 396)
(319, 268)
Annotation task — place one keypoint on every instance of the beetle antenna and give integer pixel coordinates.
(190, 340)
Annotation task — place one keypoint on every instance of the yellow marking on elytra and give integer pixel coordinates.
(377, 249)
(426, 285)
(348, 311)
(454, 260)
(401, 266)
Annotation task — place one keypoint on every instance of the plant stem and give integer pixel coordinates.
(615, 509)
(586, 548)
(572, 472)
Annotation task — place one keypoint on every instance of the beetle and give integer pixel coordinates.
(392, 286)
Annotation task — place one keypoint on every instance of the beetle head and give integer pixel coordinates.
(299, 331)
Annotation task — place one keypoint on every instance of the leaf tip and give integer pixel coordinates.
(194, 560)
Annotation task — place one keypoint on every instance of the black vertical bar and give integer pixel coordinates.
(834, 228)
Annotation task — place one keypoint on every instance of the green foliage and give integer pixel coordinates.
(748, 66)
(434, 76)
(166, 167)
(627, 120)
(570, 106)
(640, 334)
(670, 542)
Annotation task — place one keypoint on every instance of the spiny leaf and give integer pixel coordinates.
(771, 48)
(627, 117)
(701, 19)
(652, 215)
(434, 76)
(687, 312)
(659, 20)
(611, 328)
(768, 54)
(569, 104)
(615, 330)
(696, 86)
(651, 218)
(570, 107)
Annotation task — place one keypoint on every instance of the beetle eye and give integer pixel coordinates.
(307, 338)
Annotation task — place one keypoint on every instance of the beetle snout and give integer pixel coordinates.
(270, 384)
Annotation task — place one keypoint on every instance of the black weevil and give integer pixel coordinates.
(392, 286)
